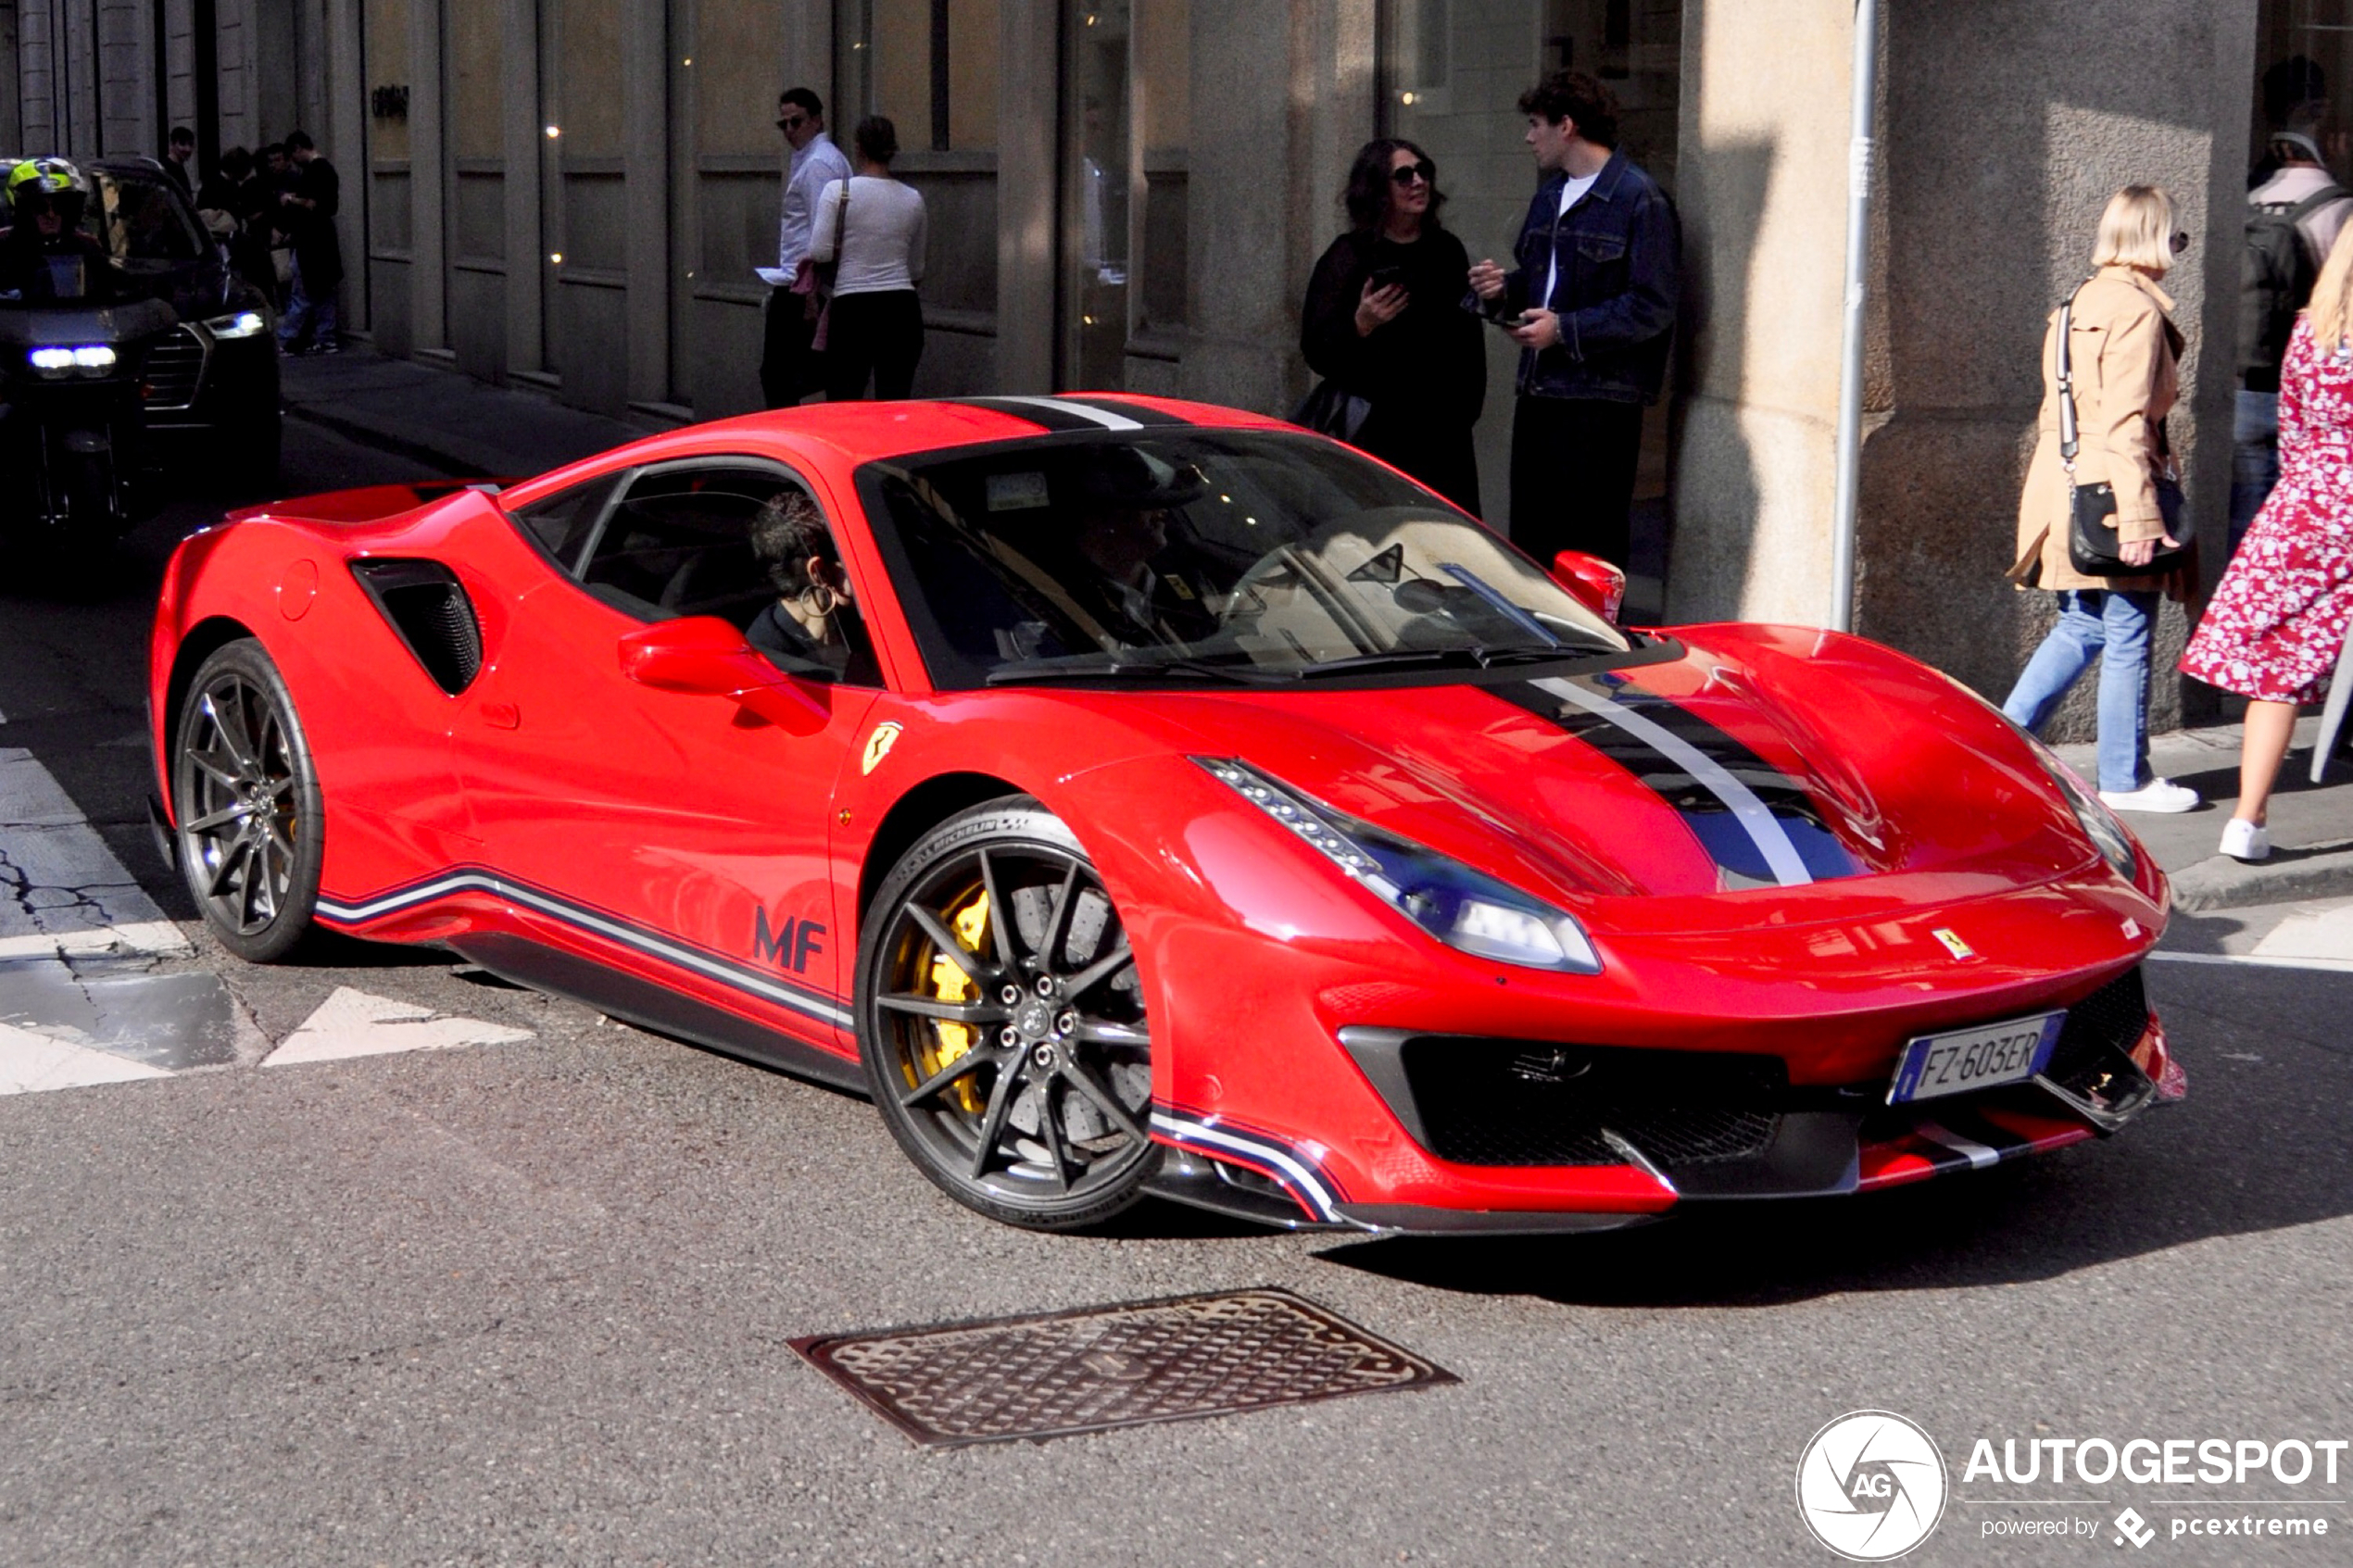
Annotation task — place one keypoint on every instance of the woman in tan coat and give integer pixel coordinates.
(2125, 352)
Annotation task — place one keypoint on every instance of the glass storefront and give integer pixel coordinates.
(1127, 68)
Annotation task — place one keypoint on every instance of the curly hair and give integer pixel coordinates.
(1368, 183)
(786, 533)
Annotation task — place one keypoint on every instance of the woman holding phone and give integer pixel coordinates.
(1384, 321)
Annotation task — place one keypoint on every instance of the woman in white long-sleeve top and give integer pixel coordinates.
(872, 229)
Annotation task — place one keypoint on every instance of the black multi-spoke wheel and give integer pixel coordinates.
(246, 801)
(1002, 1022)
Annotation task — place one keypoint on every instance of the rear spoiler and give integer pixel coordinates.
(369, 502)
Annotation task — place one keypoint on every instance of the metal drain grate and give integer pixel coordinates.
(1065, 1372)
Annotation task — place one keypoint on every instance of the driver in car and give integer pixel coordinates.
(1122, 499)
(44, 255)
(806, 630)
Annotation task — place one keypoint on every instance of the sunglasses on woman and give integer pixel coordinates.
(1406, 173)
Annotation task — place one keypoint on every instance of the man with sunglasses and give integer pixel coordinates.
(1592, 303)
(788, 368)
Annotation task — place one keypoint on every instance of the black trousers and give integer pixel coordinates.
(1573, 466)
(789, 370)
(872, 334)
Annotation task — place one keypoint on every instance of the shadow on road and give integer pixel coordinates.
(2260, 1146)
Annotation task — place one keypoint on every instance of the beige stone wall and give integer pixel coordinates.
(1763, 196)
(2004, 126)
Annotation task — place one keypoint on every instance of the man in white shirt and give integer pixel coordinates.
(789, 370)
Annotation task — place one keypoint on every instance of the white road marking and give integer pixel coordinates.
(2337, 966)
(154, 938)
(71, 894)
(2316, 934)
(30, 1063)
(354, 1024)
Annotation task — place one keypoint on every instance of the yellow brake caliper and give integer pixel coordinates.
(951, 1042)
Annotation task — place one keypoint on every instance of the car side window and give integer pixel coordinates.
(748, 545)
(561, 524)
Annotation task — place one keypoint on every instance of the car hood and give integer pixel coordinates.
(1749, 775)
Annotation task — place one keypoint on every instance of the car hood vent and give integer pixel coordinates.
(429, 610)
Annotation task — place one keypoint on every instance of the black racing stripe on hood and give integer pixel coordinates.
(1126, 410)
(1787, 843)
(1042, 414)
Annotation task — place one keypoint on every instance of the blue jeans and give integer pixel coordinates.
(302, 310)
(2255, 460)
(2113, 627)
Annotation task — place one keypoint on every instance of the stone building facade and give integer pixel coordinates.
(572, 194)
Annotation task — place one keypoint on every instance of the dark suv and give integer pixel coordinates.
(208, 388)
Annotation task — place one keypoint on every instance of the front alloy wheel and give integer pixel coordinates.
(246, 799)
(1002, 1021)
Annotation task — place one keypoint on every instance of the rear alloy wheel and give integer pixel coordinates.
(246, 799)
(1002, 1021)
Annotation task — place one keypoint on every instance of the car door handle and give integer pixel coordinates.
(501, 716)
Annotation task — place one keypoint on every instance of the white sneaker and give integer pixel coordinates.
(2157, 794)
(2243, 840)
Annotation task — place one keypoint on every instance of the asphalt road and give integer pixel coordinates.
(529, 1301)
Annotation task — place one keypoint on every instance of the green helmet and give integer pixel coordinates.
(44, 181)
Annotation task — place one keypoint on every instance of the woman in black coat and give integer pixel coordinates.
(1384, 321)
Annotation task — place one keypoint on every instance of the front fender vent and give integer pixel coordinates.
(424, 604)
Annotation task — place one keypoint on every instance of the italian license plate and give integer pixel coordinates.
(1975, 1059)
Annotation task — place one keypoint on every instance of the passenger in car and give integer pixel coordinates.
(809, 628)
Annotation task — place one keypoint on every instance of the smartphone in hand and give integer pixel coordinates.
(1389, 278)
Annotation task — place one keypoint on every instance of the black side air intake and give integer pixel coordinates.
(425, 605)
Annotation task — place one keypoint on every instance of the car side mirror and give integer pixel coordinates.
(703, 656)
(1592, 582)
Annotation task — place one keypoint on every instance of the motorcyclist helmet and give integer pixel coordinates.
(50, 185)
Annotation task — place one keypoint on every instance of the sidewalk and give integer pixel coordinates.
(2311, 827)
(471, 429)
(466, 428)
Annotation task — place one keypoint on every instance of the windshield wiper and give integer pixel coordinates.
(1038, 673)
(1476, 657)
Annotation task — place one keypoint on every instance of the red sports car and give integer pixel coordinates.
(1133, 795)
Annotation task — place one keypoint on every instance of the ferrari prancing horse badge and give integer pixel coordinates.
(879, 745)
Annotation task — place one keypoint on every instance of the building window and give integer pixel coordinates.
(928, 65)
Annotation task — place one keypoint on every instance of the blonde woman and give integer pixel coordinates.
(2124, 353)
(2278, 620)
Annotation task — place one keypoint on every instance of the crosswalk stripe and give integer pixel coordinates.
(353, 1023)
(30, 1063)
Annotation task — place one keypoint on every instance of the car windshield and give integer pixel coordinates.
(137, 220)
(1194, 555)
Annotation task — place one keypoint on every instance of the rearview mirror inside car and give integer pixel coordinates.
(703, 656)
(1592, 581)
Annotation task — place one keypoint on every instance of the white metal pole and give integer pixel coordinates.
(1850, 381)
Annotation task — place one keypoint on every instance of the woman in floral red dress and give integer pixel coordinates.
(2279, 616)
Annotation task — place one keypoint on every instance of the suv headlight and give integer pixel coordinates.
(244, 323)
(1465, 908)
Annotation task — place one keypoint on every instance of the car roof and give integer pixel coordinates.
(863, 432)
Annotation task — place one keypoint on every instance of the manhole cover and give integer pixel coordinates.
(1100, 1367)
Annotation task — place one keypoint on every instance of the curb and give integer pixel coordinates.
(2220, 882)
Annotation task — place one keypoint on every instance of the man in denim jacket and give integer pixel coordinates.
(1592, 303)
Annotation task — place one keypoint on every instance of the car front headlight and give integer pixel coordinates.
(244, 323)
(1465, 908)
(89, 359)
(2099, 823)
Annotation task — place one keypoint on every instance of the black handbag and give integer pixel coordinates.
(2093, 543)
(1332, 410)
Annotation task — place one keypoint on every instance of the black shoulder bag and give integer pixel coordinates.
(2093, 542)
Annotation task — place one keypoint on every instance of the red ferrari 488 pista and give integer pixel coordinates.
(1140, 796)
